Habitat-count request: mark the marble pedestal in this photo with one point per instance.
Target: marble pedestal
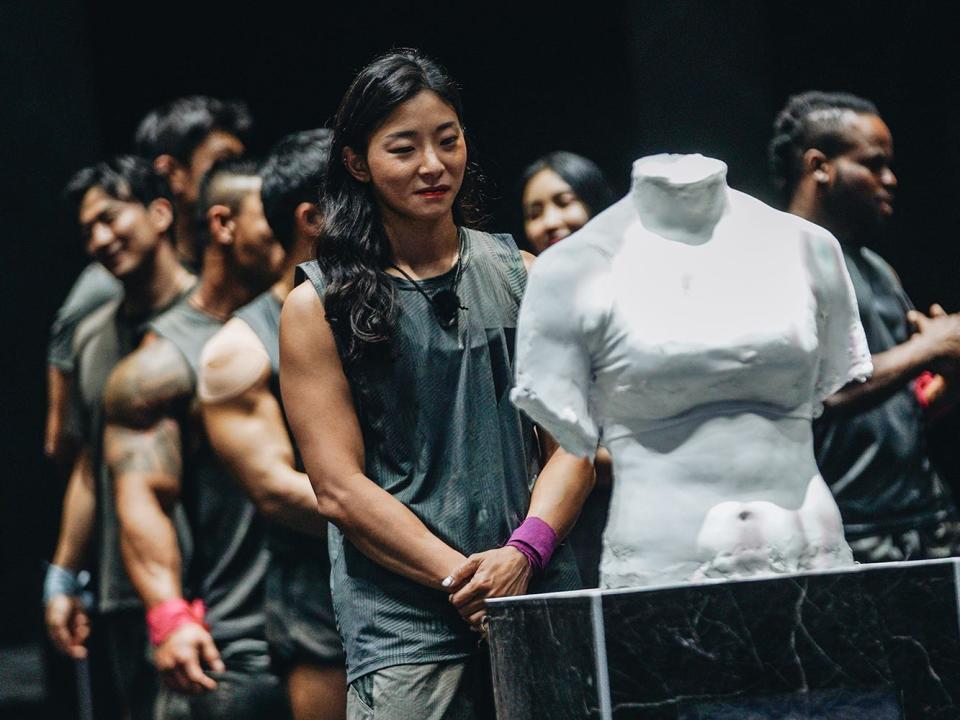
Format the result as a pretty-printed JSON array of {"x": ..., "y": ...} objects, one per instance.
[{"x": 874, "y": 642}]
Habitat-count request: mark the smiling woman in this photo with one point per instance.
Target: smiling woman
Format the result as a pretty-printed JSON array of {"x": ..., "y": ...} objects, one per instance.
[
  {"x": 559, "y": 193},
  {"x": 396, "y": 364}
]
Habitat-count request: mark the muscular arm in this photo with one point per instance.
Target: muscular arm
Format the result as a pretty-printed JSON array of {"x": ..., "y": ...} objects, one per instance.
[
  {"x": 320, "y": 410},
  {"x": 143, "y": 449},
  {"x": 245, "y": 425}
]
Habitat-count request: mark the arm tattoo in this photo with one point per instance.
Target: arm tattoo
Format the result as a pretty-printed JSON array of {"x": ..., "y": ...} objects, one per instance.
[
  {"x": 146, "y": 398},
  {"x": 152, "y": 382},
  {"x": 155, "y": 450}
]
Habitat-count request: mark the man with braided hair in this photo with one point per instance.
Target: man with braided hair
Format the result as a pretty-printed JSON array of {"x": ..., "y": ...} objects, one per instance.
[{"x": 831, "y": 156}]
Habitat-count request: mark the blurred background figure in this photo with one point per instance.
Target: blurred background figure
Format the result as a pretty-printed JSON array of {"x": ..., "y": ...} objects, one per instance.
[
  {"x": 211, "y": 651},
  {"x": 559, "y": 193},
  {"x": 239, "y": 388},
  {"x": 125, "y": 213},
  {"x": 182, "y": 139}
]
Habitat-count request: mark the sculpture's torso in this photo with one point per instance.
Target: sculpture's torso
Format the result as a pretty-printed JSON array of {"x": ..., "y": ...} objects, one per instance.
[{"x": 707, "y": 364}]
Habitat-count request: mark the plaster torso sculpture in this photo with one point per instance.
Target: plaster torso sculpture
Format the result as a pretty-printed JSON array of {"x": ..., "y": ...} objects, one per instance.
[{"x": 696, "y": 332}]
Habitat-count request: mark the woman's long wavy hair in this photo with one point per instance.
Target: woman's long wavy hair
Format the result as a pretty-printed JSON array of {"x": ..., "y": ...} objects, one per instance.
[{"x": 352, "y": 248}]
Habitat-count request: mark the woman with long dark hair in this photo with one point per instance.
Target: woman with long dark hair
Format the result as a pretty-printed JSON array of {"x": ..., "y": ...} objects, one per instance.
[
  {"x": 396, "y": 366},
  {"x": 559, "y": 192}
]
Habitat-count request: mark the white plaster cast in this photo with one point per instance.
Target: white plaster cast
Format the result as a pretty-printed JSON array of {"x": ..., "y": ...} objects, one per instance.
[{"x": 696, "y": 331}]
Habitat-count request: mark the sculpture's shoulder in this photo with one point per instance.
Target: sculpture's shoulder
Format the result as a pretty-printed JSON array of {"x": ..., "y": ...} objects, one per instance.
[
  {"x": 591, "y": 249},
  {"x": 816, "y": 248},
  {"x": 786, "y": 225}
]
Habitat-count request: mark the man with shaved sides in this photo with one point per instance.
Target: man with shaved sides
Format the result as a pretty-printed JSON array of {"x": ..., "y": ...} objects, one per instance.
[
  {"x": 208, "y": 635},
  {"x": 240, "y": 393},
  {"x": 831, "y": 155}
]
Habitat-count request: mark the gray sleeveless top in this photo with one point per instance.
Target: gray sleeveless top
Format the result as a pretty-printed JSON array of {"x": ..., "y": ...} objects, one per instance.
[
  {"x": 262, "y": 315},
  {"x": 441, "y": 436},
  {"x": 229, "y": 555}
]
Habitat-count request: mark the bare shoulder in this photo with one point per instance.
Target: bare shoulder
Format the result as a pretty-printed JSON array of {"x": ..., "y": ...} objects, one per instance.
[
  {"x": 147, "y": 384},
  {"x": 302, "y": 304},
  {"x": 232, "y": 362},
  {"x": 528, "y": 259},
  {"x": 303, "y": 323}
]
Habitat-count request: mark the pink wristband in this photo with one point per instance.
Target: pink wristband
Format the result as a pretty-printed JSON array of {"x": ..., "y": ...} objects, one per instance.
[
  {"x": 536, "y": 540},
  {"x": 168, "y": 616},
  {"x": 920, "y": 386}
]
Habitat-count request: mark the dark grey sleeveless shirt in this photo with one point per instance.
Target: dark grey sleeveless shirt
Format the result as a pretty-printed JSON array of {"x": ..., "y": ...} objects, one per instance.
[
  {"x": 229, "y": 555},
  {"x": 441, "y": 436},
  {"x": 262, "y": 315}
]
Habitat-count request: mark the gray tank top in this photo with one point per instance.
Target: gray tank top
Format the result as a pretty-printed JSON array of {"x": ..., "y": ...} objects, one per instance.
[
  {"x": 262, "y": 315},
  {"x": 229, "y": 555},
  {"x": 441, "y": 436}
]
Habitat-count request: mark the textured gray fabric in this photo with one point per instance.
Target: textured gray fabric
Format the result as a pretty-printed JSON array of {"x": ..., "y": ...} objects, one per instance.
[
  {"x": 451, "y": 690},
  {"x": 441, "y": 436},
  {"x": 94, "y": 287},
  {"x": 876, "y": 462},
  {"x": 300, "y": 623},
  {"x": 230, "y": 556}
]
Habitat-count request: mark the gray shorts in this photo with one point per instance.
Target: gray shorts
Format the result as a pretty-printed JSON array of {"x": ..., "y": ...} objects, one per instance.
[
  {"x": 451, "y": 690},
  {"x": 300, "y": 623},
  {"x": 245, "y": 691}
]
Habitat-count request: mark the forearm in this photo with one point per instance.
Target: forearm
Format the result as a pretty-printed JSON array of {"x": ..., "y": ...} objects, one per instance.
[
  {"x": 286, "y": 497},
  {"x": 248, "y": 433},
  {"x": 146, "y": 466},
  {"x": 148, "y": 541},
  {"x": 76, "y": 522},
  {"x": 560, "y": 491},
  {"x": 892, "y": 369},
  {"x": 388, "y": 532}
]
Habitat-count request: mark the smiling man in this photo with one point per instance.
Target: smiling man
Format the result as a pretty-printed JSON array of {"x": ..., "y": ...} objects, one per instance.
[
  {"x": 831, "y": 155},
  {"x": 182, "y": 139},
  {"x": 125, "y": 212}
]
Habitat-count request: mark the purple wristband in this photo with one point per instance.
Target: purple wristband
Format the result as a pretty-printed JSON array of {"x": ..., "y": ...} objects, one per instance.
[{"x": 536, "y": 540}]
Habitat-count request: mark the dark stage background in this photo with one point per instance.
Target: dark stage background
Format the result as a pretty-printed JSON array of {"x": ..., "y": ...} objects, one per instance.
[{"x": 613, "y": 81}]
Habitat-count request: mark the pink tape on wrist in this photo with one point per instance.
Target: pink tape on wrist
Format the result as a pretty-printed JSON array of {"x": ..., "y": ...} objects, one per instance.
[
  {"x": 536, "y": 540},
  {"x": 168, "y": 616},
  {"x": 920, "y": 387}
]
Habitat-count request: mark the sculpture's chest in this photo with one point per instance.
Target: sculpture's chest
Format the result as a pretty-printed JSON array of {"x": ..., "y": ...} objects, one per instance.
[{"x": 733, "y": 319}]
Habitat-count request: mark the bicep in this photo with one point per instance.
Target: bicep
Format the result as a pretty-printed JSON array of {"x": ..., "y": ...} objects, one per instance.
[{"x": 316, "y": 393}]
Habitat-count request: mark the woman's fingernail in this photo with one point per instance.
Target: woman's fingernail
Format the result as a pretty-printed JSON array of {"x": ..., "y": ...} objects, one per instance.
[{"x": 447, "y": 581}]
